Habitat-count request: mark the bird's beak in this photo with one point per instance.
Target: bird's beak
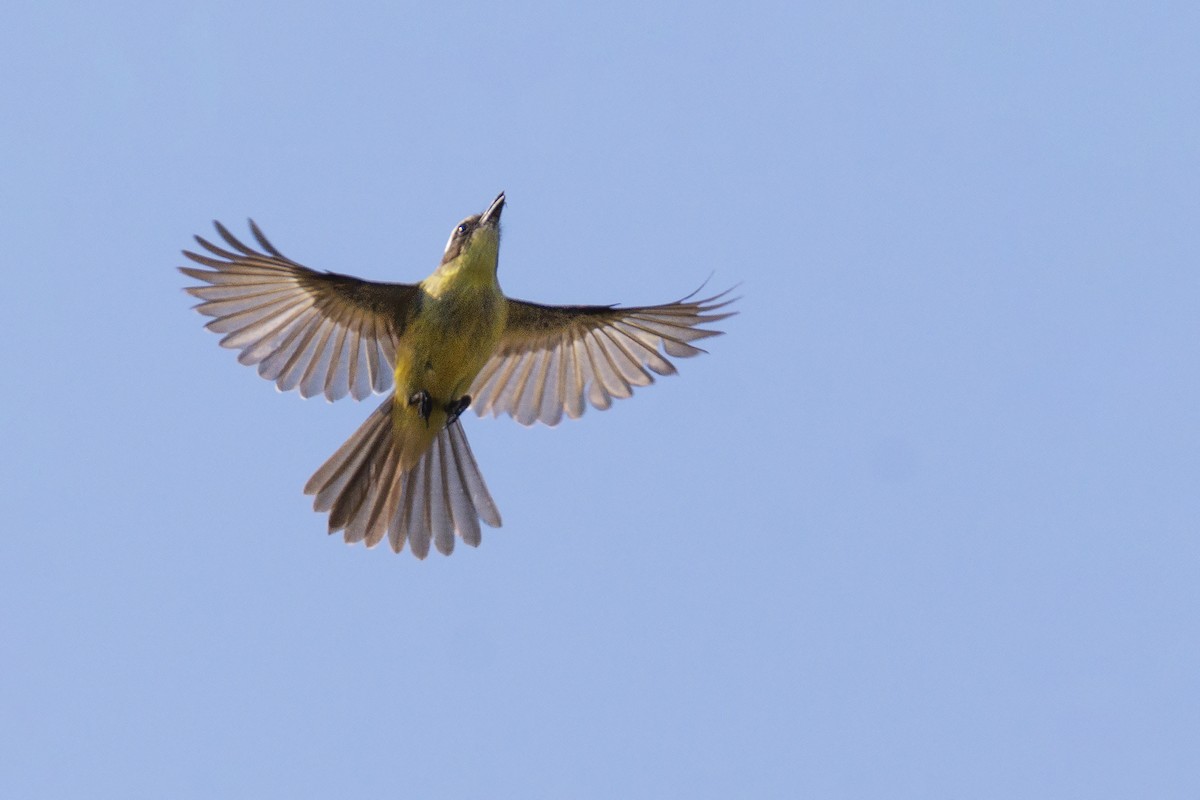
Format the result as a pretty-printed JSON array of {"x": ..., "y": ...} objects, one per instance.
[{"x": 492, "y": 215}]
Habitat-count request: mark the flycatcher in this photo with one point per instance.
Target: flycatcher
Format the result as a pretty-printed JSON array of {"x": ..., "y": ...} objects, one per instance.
[{"x": 450, "y": 342}]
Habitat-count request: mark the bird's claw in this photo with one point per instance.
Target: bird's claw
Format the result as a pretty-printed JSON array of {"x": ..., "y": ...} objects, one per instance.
[
  {"x": 423, "y": 402},
  {"x": 455, "y": 409}
]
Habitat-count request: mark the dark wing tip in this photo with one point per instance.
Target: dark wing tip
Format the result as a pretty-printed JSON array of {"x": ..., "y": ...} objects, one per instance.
[
  {"x": 232, "y": 240},
  {"x": 263, "y": 242}
]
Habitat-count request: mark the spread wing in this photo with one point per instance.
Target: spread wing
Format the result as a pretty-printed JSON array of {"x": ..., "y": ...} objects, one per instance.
[
  {"x": 551, "y": 357},
  {"x": 325, "y": 333}
]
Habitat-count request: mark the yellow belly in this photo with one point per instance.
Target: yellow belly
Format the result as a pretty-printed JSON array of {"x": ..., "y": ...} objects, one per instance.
[{"x": 442, "y": 350}]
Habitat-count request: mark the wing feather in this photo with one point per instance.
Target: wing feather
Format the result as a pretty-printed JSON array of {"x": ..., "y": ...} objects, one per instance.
[
  {"x": 551, "y": 358},
  {"x": 321, "y": 332}
]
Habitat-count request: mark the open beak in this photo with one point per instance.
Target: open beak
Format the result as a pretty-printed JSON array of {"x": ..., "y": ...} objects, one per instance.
[{"x": 492, "y": 215}]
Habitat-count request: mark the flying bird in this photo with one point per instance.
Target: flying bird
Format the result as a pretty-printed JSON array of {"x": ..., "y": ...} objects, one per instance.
[{"x": 450, "y": 342}]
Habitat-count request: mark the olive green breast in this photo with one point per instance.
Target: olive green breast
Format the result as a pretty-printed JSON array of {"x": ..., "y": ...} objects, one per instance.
[{"x": 448, "y": 340}]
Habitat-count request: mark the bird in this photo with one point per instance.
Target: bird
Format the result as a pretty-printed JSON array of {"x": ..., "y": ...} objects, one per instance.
[{"x": 451, "y": 342}]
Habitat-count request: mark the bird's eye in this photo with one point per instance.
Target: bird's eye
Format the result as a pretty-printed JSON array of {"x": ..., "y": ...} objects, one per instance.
[{"x": 462, "y": 229}]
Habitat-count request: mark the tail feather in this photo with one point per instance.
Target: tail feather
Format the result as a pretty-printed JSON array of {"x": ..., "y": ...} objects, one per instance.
[
  {"x": 357, "y": 485},
  {"x": 369, "y": 517},
  {"x": 379, "y": 509},
  {"x": 441, "y": 517},
  {"x": 369, "y": 494},
  {"x": 328, "y": 482},
  {"x": 414, "y": 520},
  {"x": 470, "y": 478}
]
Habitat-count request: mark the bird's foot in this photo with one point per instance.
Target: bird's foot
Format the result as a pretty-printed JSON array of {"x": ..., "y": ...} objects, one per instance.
[
  {"x": 455, "y": 409},
  {"x": 423, "y": 402}
]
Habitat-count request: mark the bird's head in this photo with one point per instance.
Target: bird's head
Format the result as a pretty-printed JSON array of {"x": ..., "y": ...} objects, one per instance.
[{"x": 474, "y": 244}]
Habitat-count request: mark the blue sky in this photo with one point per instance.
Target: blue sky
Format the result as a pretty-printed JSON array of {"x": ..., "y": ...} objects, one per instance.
[{"x": 923, "y": 524}]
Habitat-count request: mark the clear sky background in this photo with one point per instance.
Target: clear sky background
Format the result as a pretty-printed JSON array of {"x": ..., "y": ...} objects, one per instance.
[{"x": 923, "y": 524}]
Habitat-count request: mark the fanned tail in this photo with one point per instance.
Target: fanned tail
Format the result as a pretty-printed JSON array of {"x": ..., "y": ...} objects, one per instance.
[{"x": 369, "y": 495}]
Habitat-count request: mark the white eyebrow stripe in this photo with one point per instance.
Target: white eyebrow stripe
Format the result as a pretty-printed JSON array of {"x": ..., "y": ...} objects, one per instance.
[{"x": 454, "y": 232}]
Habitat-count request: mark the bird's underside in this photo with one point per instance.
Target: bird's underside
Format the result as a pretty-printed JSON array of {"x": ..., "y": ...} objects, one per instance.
[{"x": 407, "y": 474}]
